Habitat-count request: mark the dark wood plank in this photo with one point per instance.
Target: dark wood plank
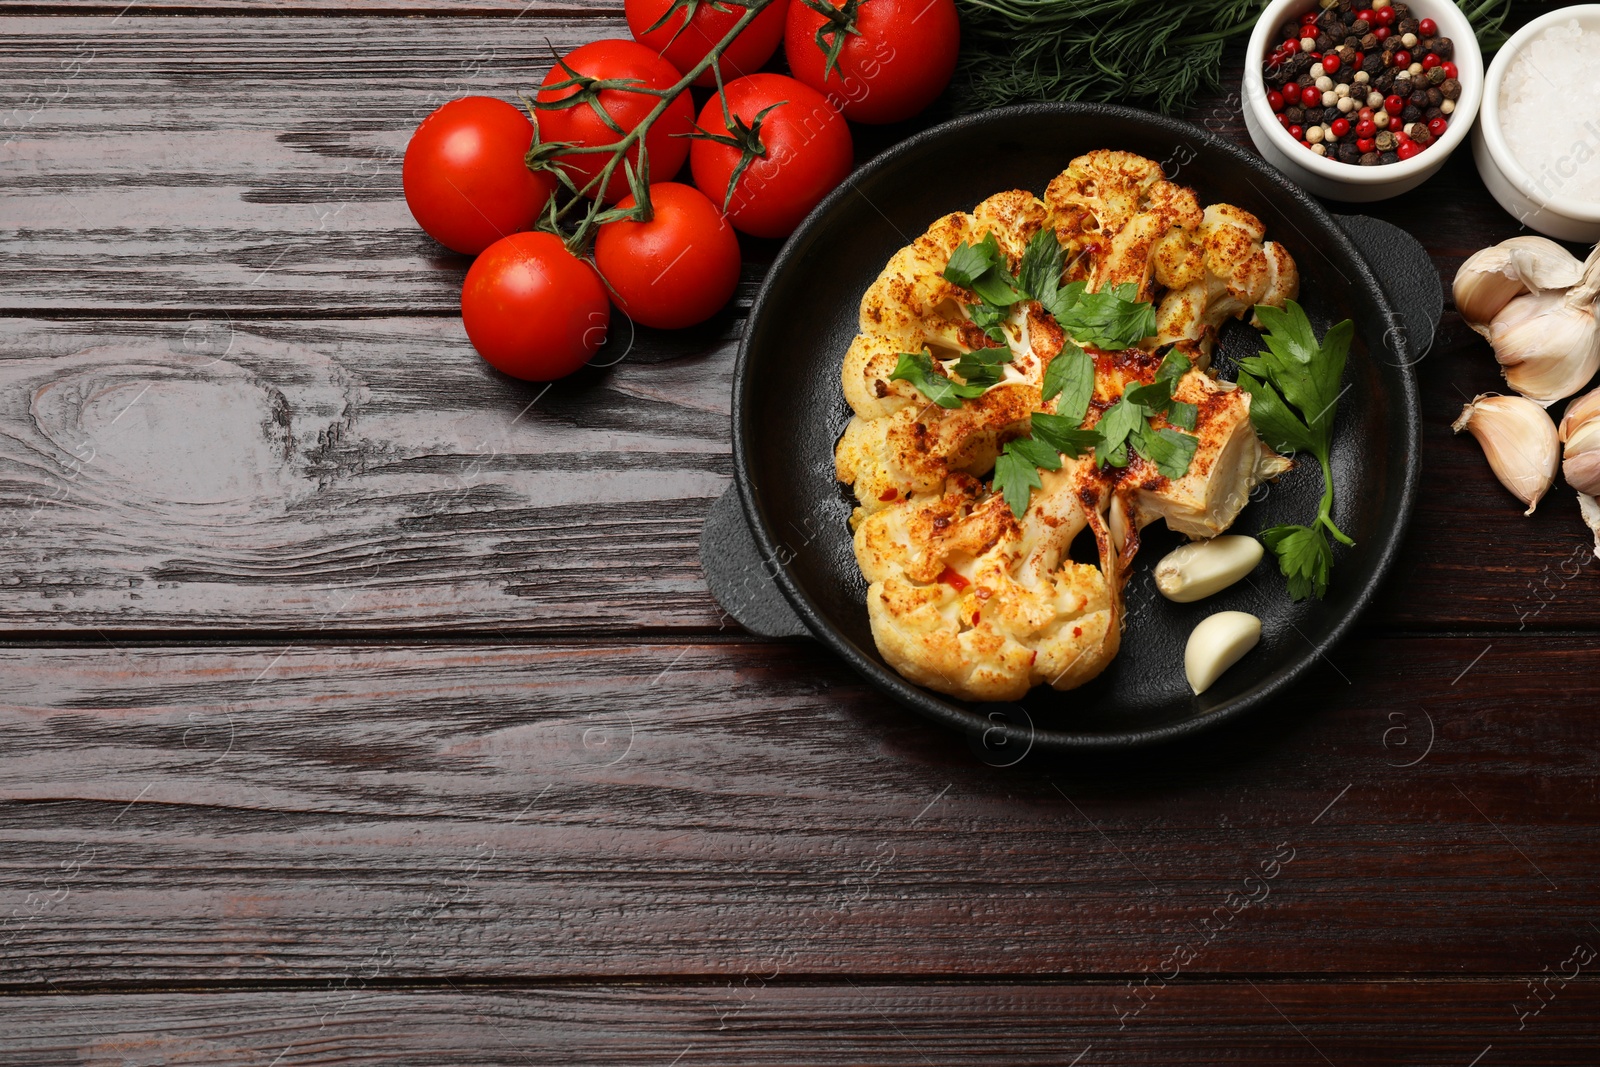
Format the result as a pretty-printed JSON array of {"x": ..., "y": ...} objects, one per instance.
[
  {"x": 560, "y": 810},
  {"x": 755, "y": 1022},
  {"x": 520, "y": 10},
  {"x": 238, "y": 162},
  {"x": 326, "y": 476},
  {"x": 331, "y": 476}
]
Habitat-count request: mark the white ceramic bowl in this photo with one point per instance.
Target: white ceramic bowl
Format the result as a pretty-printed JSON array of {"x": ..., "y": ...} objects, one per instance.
[
  {"x": 1537, "y": 204},
  {"x": 1348, "y": 181}
]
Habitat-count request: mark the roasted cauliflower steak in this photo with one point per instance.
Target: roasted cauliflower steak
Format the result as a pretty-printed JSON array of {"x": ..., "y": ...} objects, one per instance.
[{"x": 964, "y": 596}]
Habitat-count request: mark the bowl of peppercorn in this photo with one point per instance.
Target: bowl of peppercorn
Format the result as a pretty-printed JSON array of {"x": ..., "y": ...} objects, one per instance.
[{"x": 1360, "y": 103}]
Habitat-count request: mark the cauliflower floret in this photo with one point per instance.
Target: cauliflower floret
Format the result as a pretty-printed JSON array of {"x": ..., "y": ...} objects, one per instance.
[
  {"x": 1239, "y": 272},
  {"x": 967, "y": 601}
]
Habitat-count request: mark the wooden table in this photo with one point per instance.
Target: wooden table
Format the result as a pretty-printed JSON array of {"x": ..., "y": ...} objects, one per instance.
[{"x": 362, "y": 706}]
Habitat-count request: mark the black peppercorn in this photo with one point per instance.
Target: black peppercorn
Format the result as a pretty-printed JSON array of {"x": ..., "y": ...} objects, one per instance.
[
  {"x": 1402, "y": 11},
  {"x": 1436, "y": 75},
  {"x": 1435, "y": 98},
  {"x": 1384, "y": 140},
  {"x": 1411, "y": 114},
  {"x": 1361, "y": 27},
  {"x": 1346, "y": 7},
  {"x": 1420, "y": 135},
  {"x": 1295, "y": 116},
  {"x": 1431, "y": 114},
  {"x": 1289, "y": 31},
  {"x": 1418, "y": 98},
  {"x": 1443, "y": 47},
  {"x": 1369, "y": 43},
  {"x": 1346, "y": 54},
  {"x": 1389, "y": 157},
  {"x": 1349, "y": 153},
  {"x": 1371, "y": 159},
  {"x": 1450, "y": 88},
  {"x": 1326, "y": 43},
  {"x": 1405, "y": 26},
  {"x": 1372, "y": 64}
]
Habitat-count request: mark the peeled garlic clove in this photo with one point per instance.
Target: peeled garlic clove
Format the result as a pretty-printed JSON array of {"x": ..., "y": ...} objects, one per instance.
[
  {"x": 1518, "y": 439},
  {"x": 1217, "y": 644},
  {"x": 1201, "y": 568},
  {"x": 1547, "y": 345},
  {"x": 1493, "y": 276}
]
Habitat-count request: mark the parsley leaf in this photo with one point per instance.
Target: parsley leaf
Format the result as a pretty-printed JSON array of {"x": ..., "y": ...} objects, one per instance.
[
  {"x": 1169, "y": 450},
  {"x": 917, "y": 368},
  {"x": 1110, "y": 320},
  {"x": 1304, "y": 557},
  {"x": 988, "y": 318},
  {"x": 982, "y": 366},
  {"x": 982, "y": 268},
  {"x": 1039, "y": 273},
  {"x": 1120, "y": 420},
  {"x": 1016, "y": 471},
  {"x": 1063, "y": 434},
  {"x": 1071, "y": 376},
  {"x": 1294, "y": 391}
]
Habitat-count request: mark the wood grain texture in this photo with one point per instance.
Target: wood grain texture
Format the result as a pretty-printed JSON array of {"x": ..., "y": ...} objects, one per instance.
[
  {"x": 329, "y": 476},
  {"x": 583, "y": 810},
  {"x": 759, "y": 1024}
]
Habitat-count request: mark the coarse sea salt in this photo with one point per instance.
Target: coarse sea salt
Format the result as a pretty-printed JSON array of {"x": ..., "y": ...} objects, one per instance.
[{"x": 1549, "y": 113}]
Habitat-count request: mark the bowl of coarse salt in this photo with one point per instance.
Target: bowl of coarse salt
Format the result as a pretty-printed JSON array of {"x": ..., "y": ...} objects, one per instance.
[{"x": 1537, "y": 142}]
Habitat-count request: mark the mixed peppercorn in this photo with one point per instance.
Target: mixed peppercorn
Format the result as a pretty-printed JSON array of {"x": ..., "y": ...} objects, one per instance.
[{"x": 1363, "y": 85}]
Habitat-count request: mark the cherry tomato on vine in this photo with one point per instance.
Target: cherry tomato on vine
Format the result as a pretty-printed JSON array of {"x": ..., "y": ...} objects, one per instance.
[
  {"x": 802, "y": 151},
  {"x": 685, "y": 39},
  {"x": 578, "y": 124},
  {"x": 532, "y": 309},
  {"x": 464, "y": 177},
  {"x": 675, "y": 270},
  {"x": 898, "y": 61}
]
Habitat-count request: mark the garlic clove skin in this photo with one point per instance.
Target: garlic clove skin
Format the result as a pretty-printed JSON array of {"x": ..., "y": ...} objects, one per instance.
[
  {"x": 1519, "y": 440},
  {"x": 1589, "y": 508},
  {"x": 1547, "y": 346},
  {"x": 1219, "y": 642},
  {"x": 1581, "y": 410},
  {"x": 1580, "y": 454},
  {"x": 1493, "y": 276}
]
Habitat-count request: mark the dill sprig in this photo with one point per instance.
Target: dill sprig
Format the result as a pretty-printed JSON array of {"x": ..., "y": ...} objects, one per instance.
[{"x": 1160, "y": 56}]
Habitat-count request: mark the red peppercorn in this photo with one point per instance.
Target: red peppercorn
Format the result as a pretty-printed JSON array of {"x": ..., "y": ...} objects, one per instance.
[
  {"x": 1291, "y": 95},
  {"x": 1438, "y": 126},
  {"x": 1386, "y": 16},
  {"x": 1381, "y": 32},
  {"x": 1339, "y": 126},
  {"x": 1308, "y": 18},
  {"x": 1290, "y": 47},
  {"x": 1356, "y": 61},
  {"x": 1402, "y": 59},
  {"x": 1450, "y": 70},
  {"x": 1364, "y": 115},
  {"x": 1366, "y": 15},
  {"x": 1393, "y": 104},
  {"x": 1275, "y": 101},
  {"x": 1365, "y": 145},
  {"x": 1430, "y": 61},
  {"x": 1297, "y": 133},
  {"x": 1283, "y": 120},
  {"x": 1427, "y": 28},
  {"x": 1330, "y": 65},
  {"x": 1407, "y": 148},
  {"x": 1366, "y": 128}
]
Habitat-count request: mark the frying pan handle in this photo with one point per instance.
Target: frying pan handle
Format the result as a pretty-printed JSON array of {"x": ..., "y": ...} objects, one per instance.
[
  {"x": 739, "y": 578},
  {"x": 742, "y": 581},
  {"x": 1409, "y": 278}
]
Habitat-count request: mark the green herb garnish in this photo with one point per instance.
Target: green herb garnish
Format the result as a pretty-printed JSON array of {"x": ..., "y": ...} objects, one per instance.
[
  {"x": 982, "y": 268},
  {"x": 1016, "y": 470},
  {"x": 1113, "y": 318},
  {"x": 917, "y": 368},
  {"x": 1294, "y": 392},
  {"x": 1071, "y": 376}
]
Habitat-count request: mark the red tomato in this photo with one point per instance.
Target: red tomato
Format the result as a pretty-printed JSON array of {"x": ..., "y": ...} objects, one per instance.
[
  {"x": 806, "y": 152},
  {"x": 578, "y": 124},
  {"x": 678, "y": 268},
  {"x": 533, "y": 309},
  {"x": 684, "y": 41},
  {"x": 901, "y": 59},
  {"x": 464, "y": 177}
]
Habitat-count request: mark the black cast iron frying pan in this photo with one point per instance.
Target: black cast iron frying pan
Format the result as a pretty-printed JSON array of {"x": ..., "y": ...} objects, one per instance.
[{"x": 789, "y": 530}]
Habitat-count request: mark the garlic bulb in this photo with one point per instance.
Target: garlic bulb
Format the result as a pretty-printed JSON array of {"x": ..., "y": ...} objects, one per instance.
[
  {"x": 1492, "y": 276},
  {"x": 1519, "y": 441},
  {"x": 1589, "y": 508},
  {"x": 1580, "y": 436}
]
